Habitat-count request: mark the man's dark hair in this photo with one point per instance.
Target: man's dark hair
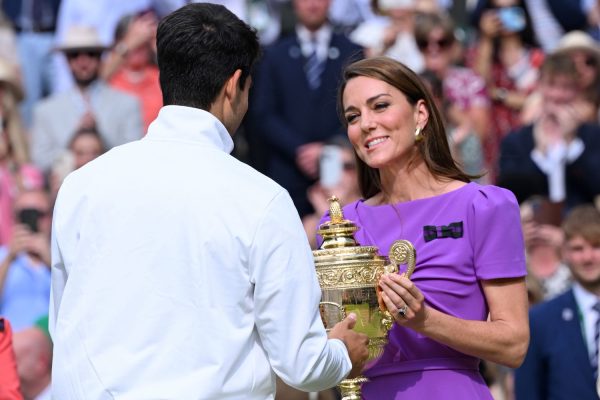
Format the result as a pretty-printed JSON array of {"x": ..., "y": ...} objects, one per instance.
[{"x": 199, "y": 47}]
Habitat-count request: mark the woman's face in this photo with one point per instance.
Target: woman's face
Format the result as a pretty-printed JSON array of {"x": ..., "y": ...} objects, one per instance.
[
  {"x": 85, "y": 148},
  {"x": 437, "y": 50},
  {"x": 381, "y": 122}
]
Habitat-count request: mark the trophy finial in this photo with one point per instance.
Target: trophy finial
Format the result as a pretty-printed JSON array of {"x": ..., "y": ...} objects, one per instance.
[{"x": 335, "y": 210}]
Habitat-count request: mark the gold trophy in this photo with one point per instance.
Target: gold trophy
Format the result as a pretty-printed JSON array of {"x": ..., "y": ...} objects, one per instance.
[{"x": 349, "y": 274}]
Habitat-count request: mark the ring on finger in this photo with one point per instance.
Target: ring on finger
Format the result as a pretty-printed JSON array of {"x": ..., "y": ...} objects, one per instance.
[{"x": 402, "y": 311}]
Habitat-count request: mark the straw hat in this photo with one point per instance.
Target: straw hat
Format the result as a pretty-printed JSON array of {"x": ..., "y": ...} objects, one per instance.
[
  {"x": 81, "y": 38},
  {"x": 578, "y": 40},
  {"x": 9, "y": 77}
]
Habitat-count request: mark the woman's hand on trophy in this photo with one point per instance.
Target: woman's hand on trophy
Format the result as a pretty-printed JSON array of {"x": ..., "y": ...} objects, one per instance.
[
  {"x": 404, "y": 300},
  {"x": 356, "y": 343}
]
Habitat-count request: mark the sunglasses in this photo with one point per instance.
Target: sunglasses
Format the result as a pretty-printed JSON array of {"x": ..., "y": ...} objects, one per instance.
[
  {"x": 591, "y": 61},
  {"x": 442, "y": 43},
  {"x": 71, "y": 55}
]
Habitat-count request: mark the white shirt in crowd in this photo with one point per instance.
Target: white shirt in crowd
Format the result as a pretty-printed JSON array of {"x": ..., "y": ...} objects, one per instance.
[{"x": 179, "y": 272}]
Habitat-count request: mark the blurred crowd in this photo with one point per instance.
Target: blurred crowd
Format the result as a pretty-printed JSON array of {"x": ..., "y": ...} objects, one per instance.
[{"x": 518, "y": 82}]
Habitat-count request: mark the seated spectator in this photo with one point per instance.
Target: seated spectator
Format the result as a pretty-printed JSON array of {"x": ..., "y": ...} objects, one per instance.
[
  {"x": 116, "y": 114},
  {"x": 85, "y": 146},
  {"x": 135, "y": 71},
  {"x": 9, "y": 379},
  {"x": 558, "y": 149},
  {"x": 508, "y": 59},
  {"x": 337, "y": 170},
  {"x": 562, "y": 360},
  {"x": 585, "y": 53},
  {"x": 543, "y": 244},
  {"x": 16, "y": 173},
  {"x": 465, "y": 144},
  {"x": 25, "y": 261},
  {"x": 392, "y": 34},
  {"x": 33, "y": 353}
]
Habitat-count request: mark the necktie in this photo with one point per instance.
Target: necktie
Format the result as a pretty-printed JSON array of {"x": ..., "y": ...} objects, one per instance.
[
  {"x": 314, "y": 68},
  {"x": 594, "y": 355}
]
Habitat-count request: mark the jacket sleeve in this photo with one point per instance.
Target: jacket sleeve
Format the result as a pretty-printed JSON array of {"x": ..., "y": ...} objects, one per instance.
[
  {"x": 531, "y": 377},
  {"x": 286, "y": 299},
  {"x": 42, "y": 147},
  {"x": 266, "y": 115}
]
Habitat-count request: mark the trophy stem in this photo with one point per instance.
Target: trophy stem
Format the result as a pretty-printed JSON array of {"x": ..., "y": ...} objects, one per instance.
[{"x": 350, "y": 388}]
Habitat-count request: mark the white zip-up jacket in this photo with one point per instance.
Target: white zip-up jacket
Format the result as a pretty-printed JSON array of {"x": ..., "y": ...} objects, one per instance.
[{"x": 181, "y": 273}]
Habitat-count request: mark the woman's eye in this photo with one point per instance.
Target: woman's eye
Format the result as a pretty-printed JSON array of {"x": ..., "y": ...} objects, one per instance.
[
  {"x": 381, "y": 106},
  {"x": 351, "y": 118}
]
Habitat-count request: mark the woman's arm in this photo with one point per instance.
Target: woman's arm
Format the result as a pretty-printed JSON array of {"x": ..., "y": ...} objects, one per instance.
[{"x": 502, "y": 339}]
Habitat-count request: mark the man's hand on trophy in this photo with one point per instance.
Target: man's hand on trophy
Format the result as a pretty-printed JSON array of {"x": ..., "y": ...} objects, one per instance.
[
  {"x": 356, "y": 343},
  {"x": 403, "y": 300}
]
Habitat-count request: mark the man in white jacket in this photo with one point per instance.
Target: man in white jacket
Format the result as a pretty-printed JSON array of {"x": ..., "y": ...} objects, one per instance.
[{"x": 179, "y": 272}]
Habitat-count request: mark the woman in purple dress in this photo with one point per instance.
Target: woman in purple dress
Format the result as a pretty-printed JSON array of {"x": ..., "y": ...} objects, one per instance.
[{"x": 467, "y": 299}]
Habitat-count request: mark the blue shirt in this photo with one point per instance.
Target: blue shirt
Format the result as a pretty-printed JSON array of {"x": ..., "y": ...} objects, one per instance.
[{"x": 26, "y": 293}]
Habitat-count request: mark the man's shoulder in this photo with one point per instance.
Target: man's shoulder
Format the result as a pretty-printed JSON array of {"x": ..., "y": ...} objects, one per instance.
[
  {"x": 282, "y": 46},
  {"x": 341, "y": 40},
  {"x": 562, "y": 306},
  {"x": 521, "y": 135},
  {"x": 251, "y": 178},
  {"x": 116, "y": 95},
  {"x": 54, "y": 101}
]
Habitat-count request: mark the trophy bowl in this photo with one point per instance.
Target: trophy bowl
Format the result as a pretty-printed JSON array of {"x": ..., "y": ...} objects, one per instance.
[{"x": 349, "y": 275}]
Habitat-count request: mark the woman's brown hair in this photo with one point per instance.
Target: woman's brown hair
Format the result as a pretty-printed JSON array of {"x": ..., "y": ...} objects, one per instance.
[{"x": 433, "y": 149}]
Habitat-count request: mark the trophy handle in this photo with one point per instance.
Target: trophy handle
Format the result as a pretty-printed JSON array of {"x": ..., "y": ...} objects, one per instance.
[
  {"x": 341, "y": 311},
  {"x": 402, "y": 251}
]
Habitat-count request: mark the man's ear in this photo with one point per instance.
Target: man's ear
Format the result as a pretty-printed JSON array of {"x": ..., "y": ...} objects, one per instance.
[{"x": 232, "y": 86}]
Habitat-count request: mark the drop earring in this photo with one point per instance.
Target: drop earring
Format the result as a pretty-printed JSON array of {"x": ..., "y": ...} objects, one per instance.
[{"x": 418, "y": 135}]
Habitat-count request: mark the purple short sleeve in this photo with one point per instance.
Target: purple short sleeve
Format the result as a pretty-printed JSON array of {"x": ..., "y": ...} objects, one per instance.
[{"x": 497, "y": 238}]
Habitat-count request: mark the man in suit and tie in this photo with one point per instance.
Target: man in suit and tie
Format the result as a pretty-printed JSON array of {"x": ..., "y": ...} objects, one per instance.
[
  {"x": 293, "y": 110},
  {"x": 562, "y": 360},
  {"x": 116, "y": 115}
]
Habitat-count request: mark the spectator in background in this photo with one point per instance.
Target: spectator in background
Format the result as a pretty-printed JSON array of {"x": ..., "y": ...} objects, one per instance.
[
  {"x": 132, "y": 61},
  {"x": 85, "y": 146},
  {"x": 585, "y": 53},
  {"x": 91, "y": 103},
  {"x": 459, "y": 92},
  {"x": 392, "y": 35},
  {"x": 293, "y": 109},
  {"x": 552, "y": 18},
  {"x": 562, "y": 360},
  {"x": 35, "y": 24},
  {"x": 16, "y": 173},
  {"x": 507, "y": 58},
  {"x": 337, "y": 177},
  {"x": 9, "y": 379},
  {"x": 25, "y": 262},
  {"x": 543, "y": 244},
  {"x": 103, "y": 16},
  {"x": 557, "y": 151},
  {"x": 33, "y": 353}
]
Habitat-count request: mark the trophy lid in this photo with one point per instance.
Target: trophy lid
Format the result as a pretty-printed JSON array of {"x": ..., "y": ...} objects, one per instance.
[
  {"x": 340, "y": 253},
  {"x": 337, "y": 232}
]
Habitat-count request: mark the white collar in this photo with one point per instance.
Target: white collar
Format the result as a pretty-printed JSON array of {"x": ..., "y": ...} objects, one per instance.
[
  {"x": 322, "y": 37},
  {"x": 188, "y": 124},
  {"x": 585, "y": 299}
]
